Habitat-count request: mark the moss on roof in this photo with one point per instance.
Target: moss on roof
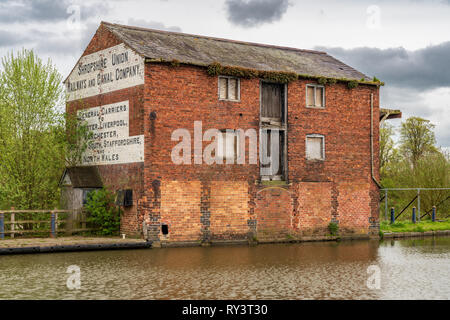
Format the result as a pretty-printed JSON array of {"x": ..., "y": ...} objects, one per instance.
[{"x": 235, "y": 56}]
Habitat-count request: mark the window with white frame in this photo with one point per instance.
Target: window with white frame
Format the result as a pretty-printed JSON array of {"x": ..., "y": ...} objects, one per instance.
[
  {"x": 315, "y": 147},
  {"x": 315, "y": 96},
  {"x": 228, "y": 145},
  {"x": 229, "y": 88}
]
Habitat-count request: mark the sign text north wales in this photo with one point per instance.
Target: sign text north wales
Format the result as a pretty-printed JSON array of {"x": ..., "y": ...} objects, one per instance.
[{"x": 111, "y": 142}]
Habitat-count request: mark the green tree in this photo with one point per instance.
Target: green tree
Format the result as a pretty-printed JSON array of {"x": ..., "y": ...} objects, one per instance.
[
  {"x": 35, "y": 144},
  {"x": 388, "y": 152},
  {"x": 416, "y": 164},
  {"x": 30, "y": 92},
  {"x": 417, "y": 139}
]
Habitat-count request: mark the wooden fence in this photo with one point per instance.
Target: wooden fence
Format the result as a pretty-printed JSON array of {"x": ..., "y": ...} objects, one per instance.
[{"x": 51, "y": 222}]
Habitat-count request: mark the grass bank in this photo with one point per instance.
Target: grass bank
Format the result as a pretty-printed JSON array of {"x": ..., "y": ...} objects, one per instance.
[{"x": 423, "y": 226}]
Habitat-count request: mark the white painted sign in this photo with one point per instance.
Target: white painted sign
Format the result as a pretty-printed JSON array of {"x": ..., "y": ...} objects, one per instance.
[
  {"x": 105, "y": 71},
  {"x": 111, "y": 142}
]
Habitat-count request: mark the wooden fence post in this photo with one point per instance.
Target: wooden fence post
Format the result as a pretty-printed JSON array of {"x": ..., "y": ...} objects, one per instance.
[
  {"x": 13, "y": 224},
  {"x": 69, "y": 222},
  {"x": 2, "y": 225}
]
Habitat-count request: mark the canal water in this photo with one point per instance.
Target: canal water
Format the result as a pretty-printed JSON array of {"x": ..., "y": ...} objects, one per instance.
[{"x": 402, "y": 269}]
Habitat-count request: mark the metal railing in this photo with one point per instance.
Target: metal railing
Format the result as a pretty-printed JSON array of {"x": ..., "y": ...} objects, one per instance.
[{"x": 417, "y": 197}]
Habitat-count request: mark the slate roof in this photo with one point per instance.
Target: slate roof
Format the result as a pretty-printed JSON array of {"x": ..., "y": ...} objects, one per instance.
[{"x": 202, "y": 51}]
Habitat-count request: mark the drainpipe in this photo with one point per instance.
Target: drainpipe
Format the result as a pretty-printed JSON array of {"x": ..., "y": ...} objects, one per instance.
[{"x": 371, "y": 143}]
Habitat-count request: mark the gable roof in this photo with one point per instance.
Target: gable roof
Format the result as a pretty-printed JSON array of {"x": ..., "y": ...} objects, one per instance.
[
  {"x": 82, "y": 177},
  {"x": 202, "y": 51}
]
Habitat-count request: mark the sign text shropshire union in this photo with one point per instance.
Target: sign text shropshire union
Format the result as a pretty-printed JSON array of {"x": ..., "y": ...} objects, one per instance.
[{"x": 107, "y": 70}]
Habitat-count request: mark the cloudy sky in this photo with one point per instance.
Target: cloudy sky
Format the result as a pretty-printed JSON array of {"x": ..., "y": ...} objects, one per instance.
[{"x": 405, "y": 43}]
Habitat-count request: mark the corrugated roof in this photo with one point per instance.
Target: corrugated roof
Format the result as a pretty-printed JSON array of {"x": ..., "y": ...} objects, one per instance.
[{"x": 203, "y": 51}]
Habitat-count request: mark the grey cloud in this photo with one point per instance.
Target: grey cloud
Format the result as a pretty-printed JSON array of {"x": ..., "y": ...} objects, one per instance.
[
  {"x": 409, "y": 77},
  {"x": 152, "y": 25},
  {"x": 252, "y": 13},
  {"x": 67, "y": 43},
  {"x": 413, "y": 103},
  {"x": 422, "y": 69},
  {"x": 8, "y": 39},
  {"x": 45, "y": 10}
]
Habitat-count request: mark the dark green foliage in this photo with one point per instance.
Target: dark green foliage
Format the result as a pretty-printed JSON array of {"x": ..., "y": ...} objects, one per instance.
[
  {"x": 333, "y": 227},
  {"x": 175, "y": 63},
  {"x": 352, "y": 84},
  {"x": 103, "y": 214},
  {"x": 216, "y": 69},
  {"x": 280, "y": 77},
  {"x": 323, "y": 81}
]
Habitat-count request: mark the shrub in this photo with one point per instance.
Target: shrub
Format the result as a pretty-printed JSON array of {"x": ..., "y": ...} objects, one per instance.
[
  {"x": 102, "y": 212},
  {"x": 352, "y": 84},
  {"x": 322, "y": 81},
  {"x": 333, "y": 227}
]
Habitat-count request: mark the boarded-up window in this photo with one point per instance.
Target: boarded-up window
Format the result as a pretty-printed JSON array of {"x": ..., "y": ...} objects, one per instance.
[
  {"x": 272, "y": 101},
  {"x": 310, "y": 96},
  {"x": 315, "y": 96},
  {"x": 233, "y": 89},
  {"x": 315, "y": 147},
  {"x": 319, "y": 96},
  {"x": 272, "y": 157},
  {"x": 227, "y": 145},
  {"x": 273, "y": 132},
  {"x": 223, "y": 88},
  {"x": 228, "y": 88}
]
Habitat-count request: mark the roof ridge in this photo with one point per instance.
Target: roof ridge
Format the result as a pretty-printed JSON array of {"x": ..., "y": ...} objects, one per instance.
[{"x": 214, "y": 38}]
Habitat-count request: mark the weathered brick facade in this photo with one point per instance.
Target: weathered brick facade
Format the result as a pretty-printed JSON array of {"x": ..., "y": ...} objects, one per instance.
[{"x": 203, "y": 203}]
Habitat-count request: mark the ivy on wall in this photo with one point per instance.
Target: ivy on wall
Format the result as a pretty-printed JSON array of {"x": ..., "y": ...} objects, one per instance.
[{"x": 216, "y": 69}]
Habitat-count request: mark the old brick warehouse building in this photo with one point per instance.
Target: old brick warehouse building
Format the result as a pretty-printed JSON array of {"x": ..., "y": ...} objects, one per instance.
[{"x": 136, "y": 86}]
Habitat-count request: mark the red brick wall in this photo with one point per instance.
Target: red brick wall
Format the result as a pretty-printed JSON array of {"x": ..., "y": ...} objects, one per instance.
[
  {"x": 314, "y": 210},
  {"x": 181, "y": 95},
  {"x": 274, "y": 213},
  {"x": 119, "y": 176},
  {"x": 180, "y": 210},
  {"x": 207, "y": 202}
]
